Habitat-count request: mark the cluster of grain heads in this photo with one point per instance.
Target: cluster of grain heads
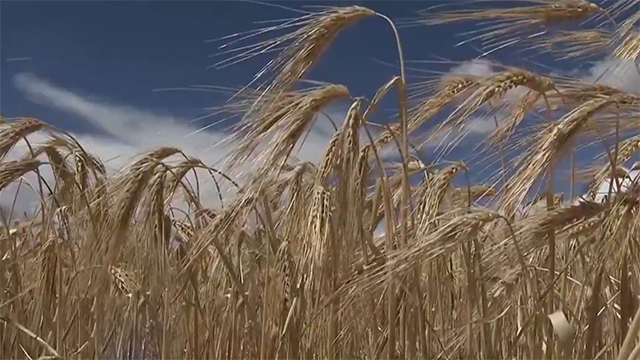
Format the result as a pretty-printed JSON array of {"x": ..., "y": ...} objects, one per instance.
[
  {"x": 13, "y": 132},
  {"x": 509, "y": 25},
  {"x": 139, "y": 265},
  {"x": 303, "y": 47},
  {"x": 627, "y": 39},
  {"x": 576, "y": 44},
  {"x": 552, "y": 144},
  {"x": 281, "y": 126},
  {"x": 491, "y": 89}
]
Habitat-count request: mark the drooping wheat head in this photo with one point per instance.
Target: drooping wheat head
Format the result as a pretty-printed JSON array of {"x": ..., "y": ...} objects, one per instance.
[
  {"x": 506, "y": 26},
  {"x": 551, "y": 145},
  {"x": 493, "y": 88},
  {"x": 281, "y": 127},
  {"x": 302, "y": 48},
  {"x": 576, "y": 44}
]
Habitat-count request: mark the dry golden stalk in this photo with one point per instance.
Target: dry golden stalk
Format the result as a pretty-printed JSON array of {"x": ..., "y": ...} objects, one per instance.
[
  {"x": 283, "y": 125},
  {"x": 315, "y": 34},
  {"x": 584, "y": 227},
  {"x": 330, "y": 156},
  {"x": 124, "y": 281},
  {"x": 626, "y": 150},
  {"x": 352, "y": 123},
  {"x": 48, "y": 290},
  {"x": 629, "y": 47},
  {"x": 577, "y": 93},
  {"x": 463, "y": 196},
  {"x": 10, "y": 171},
  {"x": 508, "y": 126},
  {"x": 494, "y": 87},
  {"x": 311, "y": 264},
  {"x": 183, "y": 230},
  {"x": 551, "y": 145},
  {"x": 452, "y": 88},
  {"x": 436, "y": 190},
  {"x": 509, "y": 24},
  {"x": 65, "y": 178},
  {"x": 576, "y": 44},
  {"x": 11, "y": 133},
  {"x": 180, "y": 171},
  {"x": 627, "y": 39},
  {"x": 54, "y": 354},
  {"x": 546, "y": 13},
  {"x": 156, "y": 208},
  {"x": 437, "y": 243},
  {"x": 318, "y": 224},
  {"x": 130, "y": 190},
  {"x": 563, "y": 216}
]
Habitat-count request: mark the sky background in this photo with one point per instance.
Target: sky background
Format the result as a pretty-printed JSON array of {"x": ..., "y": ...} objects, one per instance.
[
  {"x": 92, "y": 68},
  {"x": 123, "y": 50},
  {"x": 119, "y": 52}
]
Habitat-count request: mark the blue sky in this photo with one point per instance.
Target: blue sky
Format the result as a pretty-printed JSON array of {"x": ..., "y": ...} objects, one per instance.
[
  {"x": 122, "y": 50},
  {"x": 91, "y": 67}
]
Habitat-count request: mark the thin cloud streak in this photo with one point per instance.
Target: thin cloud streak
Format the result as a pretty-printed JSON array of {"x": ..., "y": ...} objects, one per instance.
[{"x": 127, "y": 132}]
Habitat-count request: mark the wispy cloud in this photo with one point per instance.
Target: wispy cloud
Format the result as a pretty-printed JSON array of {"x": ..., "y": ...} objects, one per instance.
[
  {"x": 622, "y": 74},
  {"x": 127, "y": 132},
  {"x": 476, "y": 67},
  {"x": 18, "y": 59}
]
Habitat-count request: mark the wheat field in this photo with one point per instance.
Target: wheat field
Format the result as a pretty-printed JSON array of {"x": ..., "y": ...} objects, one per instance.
[{"x": 362, "y": 255}]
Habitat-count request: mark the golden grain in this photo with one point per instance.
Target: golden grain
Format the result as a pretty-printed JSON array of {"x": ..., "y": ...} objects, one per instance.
[{"x": 318, "y": 260}]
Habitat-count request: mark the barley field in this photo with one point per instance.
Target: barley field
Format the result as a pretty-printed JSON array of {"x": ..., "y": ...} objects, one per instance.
[{"x": 364, "y": 255}]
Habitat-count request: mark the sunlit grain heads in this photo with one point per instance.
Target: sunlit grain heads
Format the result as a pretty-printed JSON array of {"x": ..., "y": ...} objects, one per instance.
[
  {"x": 123, "y": 281},
  {"x": 154, "y": 156},
  {"x": 304, "y": 46},
  {"x": 469, "y": 278},
  {"x": 281, "y": 127},
  {"x": 160, "y": 220},
  {"x": 508, "y": 25},
  {"x": 577, "y": 93},
  {"x": 435, "y": 191},
  {"x": 553, "y": 12},
  {"x": 314, "y": 39},
  {"x": 522, "y": 108},
  {"x": 626, "y": 41},
  {"x": 10, "y": 171},
  {"x": 63, "y": 173},
  {"x": 495, "y": 87},
  {"x": 12, "y": 132},
  {"x": 463, "y": 196},
  {"x": 584, "y": 228},
  {"x": 551, "y": 145},
  {"x": 627, "y": 149},
  {"x": 353, "y": 121},
  {"x": 140, "y": 172},
  {"x": 451, "y": 89},
  {"x": 130, "y": 190},
  {"x": 576, "y": 44},
  {"x": 180, "y": 171},
  {"x": 567, "y": 215}
]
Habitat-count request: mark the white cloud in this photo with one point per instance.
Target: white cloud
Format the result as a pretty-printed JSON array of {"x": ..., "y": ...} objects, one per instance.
[
  {"x": 127, "y": 132},
  {"x": 622, "y": 74},
  {"x": 446, "y": 139},
  {"x": 476, "y": 67}
]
